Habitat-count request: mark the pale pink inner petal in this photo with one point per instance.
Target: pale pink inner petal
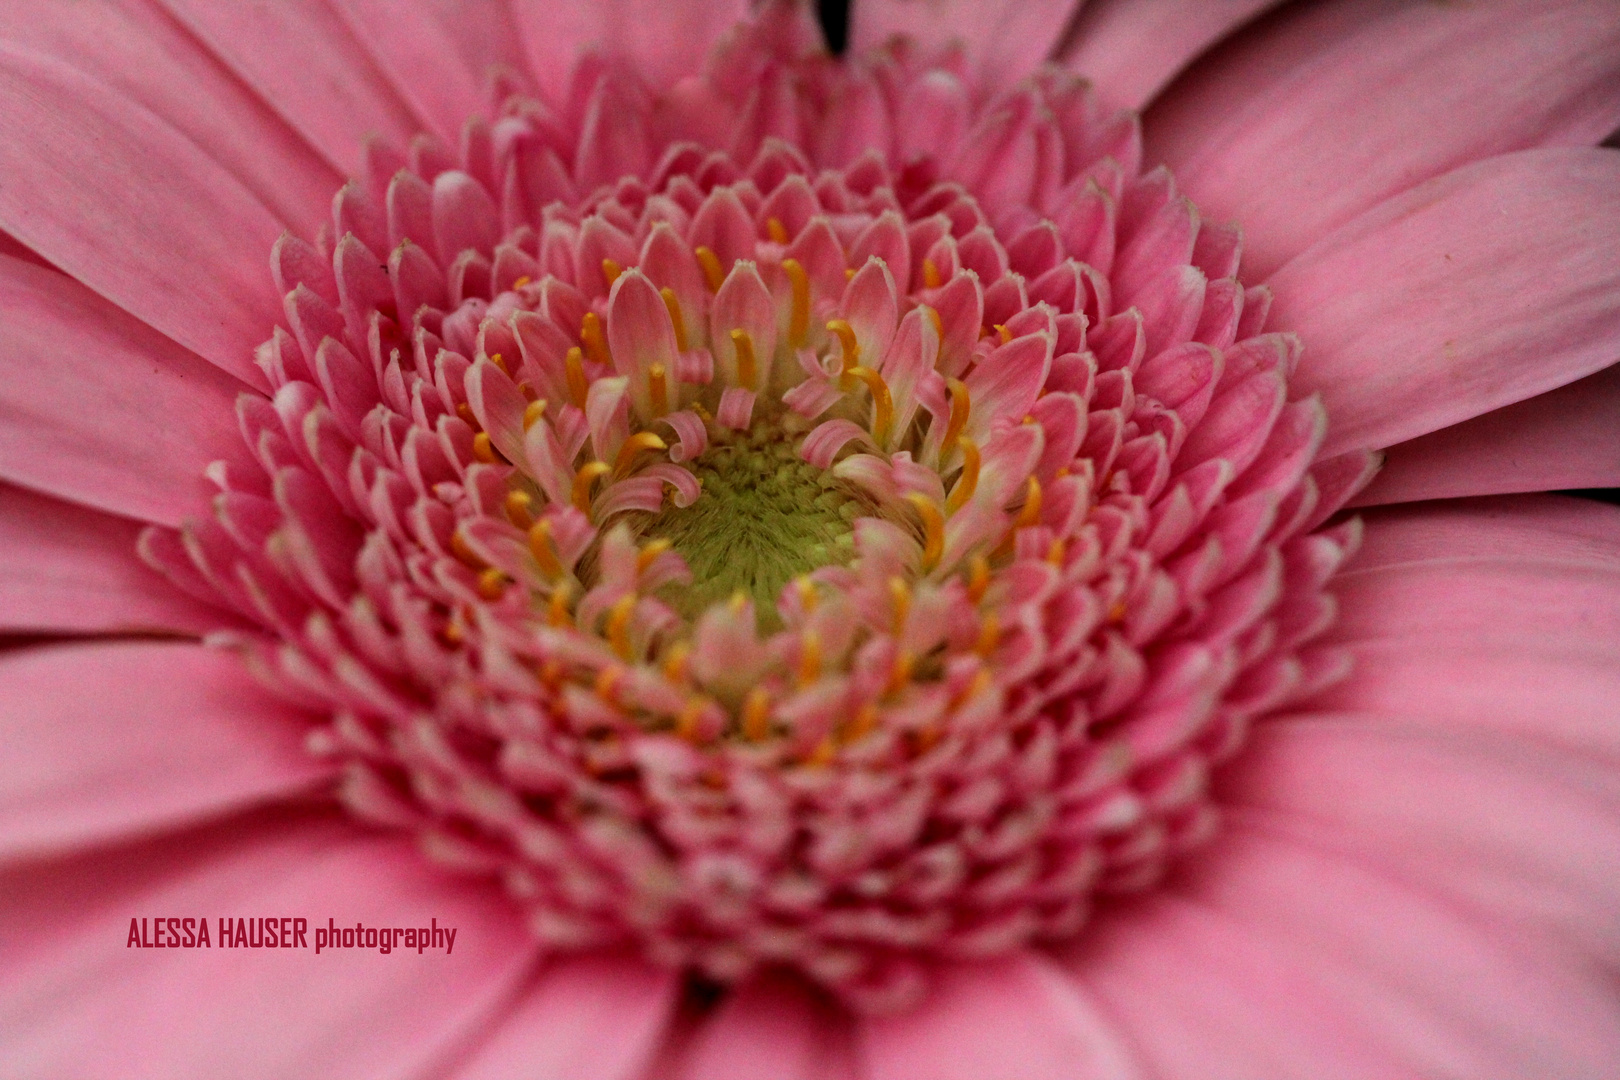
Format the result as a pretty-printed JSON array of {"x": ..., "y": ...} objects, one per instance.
[
  {"x": 114, "y": 739},
  {"x": 1003, "y": 40}
]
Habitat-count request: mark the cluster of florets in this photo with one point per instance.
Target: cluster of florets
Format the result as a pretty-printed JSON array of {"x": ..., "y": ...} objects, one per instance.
[{"x": 775, "y": 554}]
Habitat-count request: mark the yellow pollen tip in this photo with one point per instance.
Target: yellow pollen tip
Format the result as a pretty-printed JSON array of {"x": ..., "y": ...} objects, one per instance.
[
  {"x": 756, "y": 714},
  {"x": 607, "y": 684},
  {"x": 500, "y": 362},
  {"x": 738, "y": 601},
  {"x": 519, "y": 509},
  {"x": 675, "y": 664},
  {"x": 799, "y": 317},
  {"x": 1056, "y": 551},
  {"x": 1116, "y": 613},
  {"x": 459, "y": 548},
  {"x": 672, "y": 304},
  {"x": 900, "y": 596},
  {"x": 522, "y": 281},
  {"x": 464, "y": 411},
  {"x": 594, "y": 340},
  {"x": 635, "y": 444},
  {"x": 1030, "y": 515},
  {"x": 982, "y": 681},
  {"x": 882, "y": 401},
  {"x": 807, "y": 593},
  {"x": 900, "y": 673},
  {"x": 968, "y": 482},
  {"x": 649, "y": 554},
  {"x": 713, "y": 272},
  {"x": 823, "y": 754},
  {"x": 809, "y": 657},
  {"x": 861, "y": 725},
  {"x": 989, "y": 635},
  {"x": 543, "y": 548},
  {"x": 1005, "y": 334},
  {"x": 851, "y": 347},
  {"x": 933, "y": 318},
  {"x": 532, "y": 412},
  {"x": 746, "y": 364},
  {"x": 557, "y": 613},
  {"x": 933, "y": 529},
  {"x": 978, "y": 578},
  {"x": 686, "y": 724},
  {"x": 491, "y": 584},
  {"x": 618, "y": 624},
  {"x": 931, "y": 278},
  {"x": 587, "y": 475},
  {"x": 483, "y": 449},
  {"x": 961, "y": 409},
  {"x": 849, "y": 273},
  {"x": 578, "y": 386},
  {"x": 611, "y": 270},
  {"x": 776, "y": 230},
  {"x": 658, "y": 388}
]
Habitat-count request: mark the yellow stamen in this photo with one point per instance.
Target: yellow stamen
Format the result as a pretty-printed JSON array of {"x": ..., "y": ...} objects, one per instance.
[
  {"x": 978, "y": 578},
  {"x": 744, "y": 344},
  {"x": 500, "y": 363},
  {"x": 933, "y": 529},
  {"x": 931, "y": 278},
  {"x": 453, "y": 633},
  {"x": 672, "y": 304},
  {"x": 484, "y": 450},
  {"x": 459, "y": 548},
  {"x": 611, "y": 270},
  {"x": 807, "y": 593},
  {"x": 558, "y": 613},
  {"x": 865, "y": 719},
  {"x": 635, "y": 444},
  {"x": 544, "y": 549},
  {"x": 594, "y": 339},
  {"x": 809, "y": 657},
  {"x": 900, "y": 594},
  {"x": 713, "y": 272},
  {"x": 618, "y": 624},
  {"x": 1056, "y": 552},
  {"x": 900, "y": 673},
  {"x": 587, "y": 475},
  {"x": 1116, "y": 613},
  {"x": 1030, "y": 515},
  {"x": 778, "y": 231},
  {"x": 882, "y": 401},
  {"x": 982, "y": 680},
  {"x": 756, "y": 717},
  {"x": 961, "y": 408},
  {"x": 491, "y": 584},
  {"x": 968, "y": 482},
  {"x": 823, "y": 754},
  {"x": 686, "y": 724},
  {"x": 578, "y": 386},
  {"x": 989, "y": 635},
  {"x": 658, "y": 388},
  {"x": 939, "y": 324},
  {"x": 849, "y": 273},
  {"x": 533, "y": 411},
  {"x": 852, "y": 348},
  {"x": 738, "y": 601},
  {"x": 1006, "y": 334},
  {"x": 649, "y": 554},
  {"x": 465, "y": 412},
  {"x": 607, "y": 684},
  {"x": 528, "y": 392},
  {"x": 522, "y": 281},
  {"x": 799, "y": 318},
  {"x": 519, "y": 509},
  {"x": 551, "y": 673},
  {"x": 675, "y": 664}
]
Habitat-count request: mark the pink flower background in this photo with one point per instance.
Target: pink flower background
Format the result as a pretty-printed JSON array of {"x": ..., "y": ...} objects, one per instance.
[{"x": 1419, "y": 870}]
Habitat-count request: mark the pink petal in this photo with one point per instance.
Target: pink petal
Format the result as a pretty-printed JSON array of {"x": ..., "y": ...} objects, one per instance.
[
  {"x": 439, "y": 58},
  {"x": 76, "y": 998},
  {"x": 768, "y": 1030},
  {"x": 102, "y": 410},
  {"x": 661, "y": 41},
  {"x": 301, "y": 59},
  {"x": 112, "y": 740},
  {"x": 583, "y": 1018},
  {"x": 1014, "y": 1019},
  {"x": 1417, "y": 315},
  {"x": 1454, "y": 85},
  {"x": 1132, "y": 48},
  {"x": 1004, "y": 39},
  {"x": 145, "y": 56},
  {"x": 65, "y": 568},
  {"x": 1565, "y": 438},
  {"x": 135, "y": 210}
]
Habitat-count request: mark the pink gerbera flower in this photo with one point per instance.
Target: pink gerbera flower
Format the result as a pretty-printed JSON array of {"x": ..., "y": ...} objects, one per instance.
[{"x": 811, "y": 566}]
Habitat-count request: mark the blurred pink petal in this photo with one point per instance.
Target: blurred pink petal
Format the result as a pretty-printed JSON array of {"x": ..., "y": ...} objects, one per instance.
[{"x": 999, "y": 39}]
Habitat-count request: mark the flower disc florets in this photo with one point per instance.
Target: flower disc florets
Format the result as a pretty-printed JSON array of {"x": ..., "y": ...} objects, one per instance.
[{"x": 767, "y": 553}]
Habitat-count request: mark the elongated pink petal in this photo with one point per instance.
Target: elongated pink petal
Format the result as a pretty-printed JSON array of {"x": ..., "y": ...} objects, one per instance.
[
  {"x": 1565, "y": 438},
  {"x": 1439, "y": 305},
  {"x": 100, "y": 409},
  {"x": 770, "y": 1031},
  {"x": 1525, "y": 527},
  {"x": 583, "y": 1018},
  {"x": 441, "y": 57},
  {"x": 1305, "y": 965},
  {"x": 1003, "y": 40},
  {"x": 65, "y": 568},
  {"x": 1019, "y": 1018},
  {"x": 73, "y": 994},
  {"x": 135, "y": 210},
  {"x": 661, "y": 41},
  {"x": 1132, "y": 48},
  {"x": 142, "y": 54},
  {"x": 114, "y": 740},
  {"x": 1454, "y": 85},
  {"x": 301, "y": 58}
]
